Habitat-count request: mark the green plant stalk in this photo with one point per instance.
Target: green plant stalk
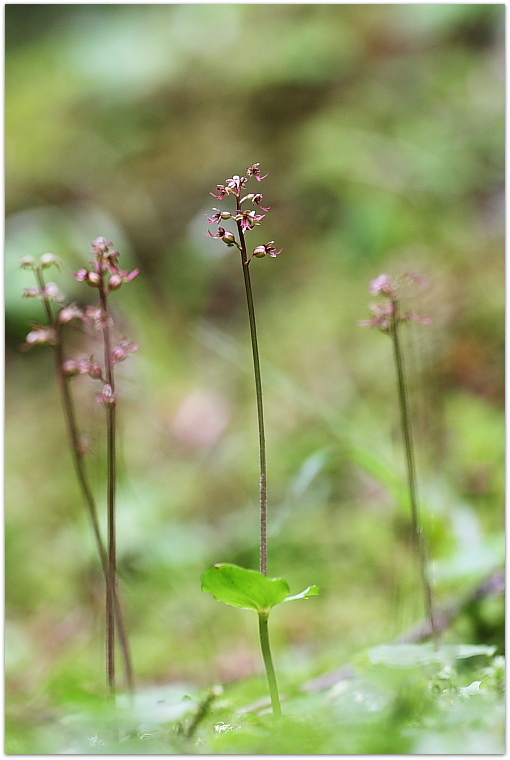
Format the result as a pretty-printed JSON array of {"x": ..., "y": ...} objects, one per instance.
[
  {"x": 111, "y": 582},
  {"x": 411, "y": 470},
  {"x": 260, "y": 406},
  {"x": 268, "y": 663},
  {"x": 79, "y": 464}
]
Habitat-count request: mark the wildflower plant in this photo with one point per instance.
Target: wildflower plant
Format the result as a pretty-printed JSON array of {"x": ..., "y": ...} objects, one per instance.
[
  {"x": 105, "y": 276},
  {"x": 388, "y": 317},
  {"x": 228, "y": 583}
]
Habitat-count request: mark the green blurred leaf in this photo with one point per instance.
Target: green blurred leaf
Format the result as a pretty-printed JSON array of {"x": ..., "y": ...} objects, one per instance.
[{"x": 416, "y": 655}]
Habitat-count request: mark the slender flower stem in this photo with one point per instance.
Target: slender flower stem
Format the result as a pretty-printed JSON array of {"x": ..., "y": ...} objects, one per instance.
[
  {"x": 79, "y": 464},
  {"x": 411, "y": 469},
  {"x": 260, "y": 407},
  {"x": 268, "y": 663},
  {"x": 111, "y": 584}
]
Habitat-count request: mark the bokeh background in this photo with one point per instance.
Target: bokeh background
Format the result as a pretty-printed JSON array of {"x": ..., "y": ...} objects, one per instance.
[{"x": 382, "y": 130}]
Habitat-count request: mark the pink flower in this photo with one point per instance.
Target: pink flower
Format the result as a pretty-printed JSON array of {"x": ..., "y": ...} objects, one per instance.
[
  {"x": 100, "y": 245},
  {"x": 235, "y": 185},
  {"x": 382, "y": 314},
  {"x": 223, "y": 234},
  {"x": 222, "y": 192},
  {"x": 40, "y": 335},
  {"x": 123, "y": 350},
  {"x": 263, "y": 250},
  {"x": 106, "y": 396},
  {"x": 382, "y": 285},
  {"x": 219, "y": 216},
  {"x": 254, "y": 171},
  {"x": 248, "y": 219}
]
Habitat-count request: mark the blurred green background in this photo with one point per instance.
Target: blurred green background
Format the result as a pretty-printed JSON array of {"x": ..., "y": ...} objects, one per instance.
[{"x": 382, "y": 130}]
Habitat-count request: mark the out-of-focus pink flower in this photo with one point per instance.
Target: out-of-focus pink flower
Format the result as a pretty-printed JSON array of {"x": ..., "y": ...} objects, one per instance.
[
  {"x": 41, "y": 335},
  {"x": 382, "y": 314},
  {"x": 106, "y": 396},
  {"x": 100, "y": 245},
  {"x": 382, "y": 285},
  {"x": 122, "y": 351},
  {"x": 68, "y": 313}
]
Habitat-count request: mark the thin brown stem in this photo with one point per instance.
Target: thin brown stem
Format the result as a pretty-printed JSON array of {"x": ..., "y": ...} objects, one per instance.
[
  {"x": 418, "y": 537},
  {"x": 79, "y": 465},
  {"x": 111, "y": 585},
  {"x": 260, "y": 407}
]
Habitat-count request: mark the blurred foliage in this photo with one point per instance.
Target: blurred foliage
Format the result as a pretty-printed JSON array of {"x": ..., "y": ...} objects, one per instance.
[{"x": 382, "y": 129}]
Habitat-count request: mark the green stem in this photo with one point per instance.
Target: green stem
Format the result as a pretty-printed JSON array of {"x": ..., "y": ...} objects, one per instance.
[
  {"x": 411, "y": 470},
  {"x": 268, "y": 663},
  {"x": 260, "y": 408},
  {"x": 79, "y": 465}
]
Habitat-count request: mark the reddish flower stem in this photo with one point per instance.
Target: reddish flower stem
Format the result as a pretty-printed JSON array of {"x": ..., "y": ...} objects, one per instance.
[
  {"x": 258, "y": 393},
  {"x": 405, "y": 421},
  {"x": 111, "y": 582}
]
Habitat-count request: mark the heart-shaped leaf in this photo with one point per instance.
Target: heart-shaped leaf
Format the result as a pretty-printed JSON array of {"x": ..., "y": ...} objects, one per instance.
[{"x": 247, "y": 589}]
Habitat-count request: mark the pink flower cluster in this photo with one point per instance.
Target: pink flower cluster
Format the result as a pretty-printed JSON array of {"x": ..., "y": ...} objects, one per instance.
[
  {"x": 103, "y": 274},
  {"x": 246, "y": 219},
  {"x": 384, "y": 314}
]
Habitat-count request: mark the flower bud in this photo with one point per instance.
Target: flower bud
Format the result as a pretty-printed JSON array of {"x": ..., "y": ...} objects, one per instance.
[
  {"x": 68, "y": 313},
  {"x": 70, "y": 368},
  {"x": 95, "y": 371},
  {"x": 42, "y": 335},
  {"x": 115, "y": 282},
  {"x": 100, "y": 245},
  {"x": 106, "y": 396},
  {"x": 81, "y": 275},
  {"x": 259, "y": 251},
  {"x": 48, "y": 260},
  {"x": 52, "y": 292},
  {"x": 27, "y": 262},
  {"x": 93, "y": 279},
  {"x": 32, "y": 292},
  {"x": 229, "y": 238}
]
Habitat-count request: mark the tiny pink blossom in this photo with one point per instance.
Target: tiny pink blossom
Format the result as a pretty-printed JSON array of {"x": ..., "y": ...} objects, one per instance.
[
  {"x": 219, "y": 216},
  {"x": 248, "y": 219},
  {"x": 235, "y": 184},
  {"x": 100, "y": 245},
  {"x": 41, "y": 336},
  {"x": 106, "y": 396},
  {"x": 382, "y": 284},
  {"x": 222, "y": 192},
  {"x": 81, "y": 275},
  {"x": 223, "y": 234},
  {"x": 70, "y": 367},
  {"x": 122, "y": 351},
  {"x": 263, "y": 250},
  {"x": 68, "y": 313},
  {"x": 254, "y": 171},
  {"x": 32, "y": 292}
]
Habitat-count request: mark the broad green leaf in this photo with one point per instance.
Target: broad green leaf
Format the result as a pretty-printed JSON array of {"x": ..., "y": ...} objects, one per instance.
[
  {"x": 310, "y": 591},
  {"x": 247, "y": 589}
]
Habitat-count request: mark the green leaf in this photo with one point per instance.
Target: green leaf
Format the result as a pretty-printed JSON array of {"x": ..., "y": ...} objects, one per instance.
[
  {"x": 247, "y": 589},
  {"x": 417, "y": 655},
  {"x": 310, "y": 591}
]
